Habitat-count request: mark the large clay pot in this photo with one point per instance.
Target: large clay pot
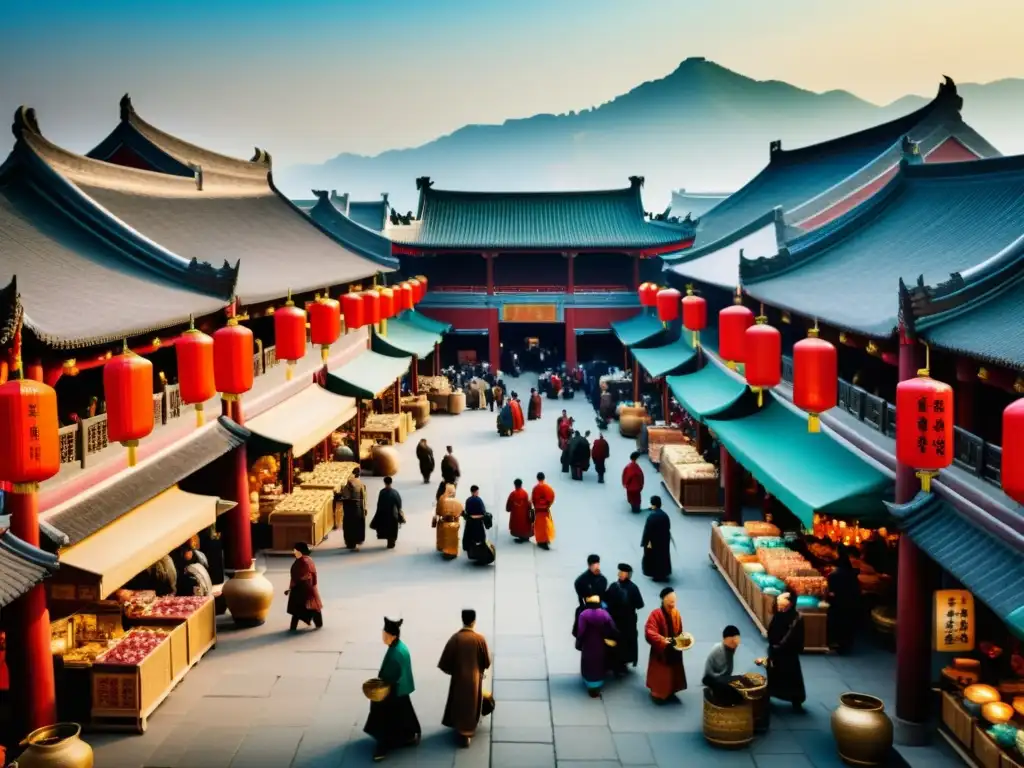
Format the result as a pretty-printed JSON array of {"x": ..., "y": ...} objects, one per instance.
[
  {"x": 385, "y": 461},
  {"x": 630, "y": 424},
  {"x": 249, "y": 595},
  {"x": 456, "y": 403},
  {"x": 862, "y": 730},
  {"x": 728, "y": 727},
  {"x": 56, "y": 746}
]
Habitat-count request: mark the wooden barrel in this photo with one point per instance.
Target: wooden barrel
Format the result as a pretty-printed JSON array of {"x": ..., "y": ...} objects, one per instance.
[
  {"x": 438, "y": 401},
  {"x": 385, "y": 460},
  {"x": 420, "y": 412},
  {"x": 456, "y": 402},
  {"x": 728, "y": 727},
  {"x": 630, "y": 425}
]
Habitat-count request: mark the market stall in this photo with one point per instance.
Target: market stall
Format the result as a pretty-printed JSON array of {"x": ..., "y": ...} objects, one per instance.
[
  {"x": 329, "y": 476},
  {"x": 691, "y": 481},
  {"x": 654, "y": 437}
]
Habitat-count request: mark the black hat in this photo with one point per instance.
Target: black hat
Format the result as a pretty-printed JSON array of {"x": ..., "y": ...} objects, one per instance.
[
  {"x": 302, "y": 547},
  {"x": 593, "y": 559},
  {"x": 625, "y": 567},
  {"x": 665, "y": 592},
  {"x": 393, "y": 627}
]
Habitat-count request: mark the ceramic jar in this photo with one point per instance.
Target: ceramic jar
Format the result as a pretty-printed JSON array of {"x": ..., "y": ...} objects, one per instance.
[
  {"x": 56, "y": 746},
  {"x": 862, "y": 730},
  {"x": 249, "y": 595}
]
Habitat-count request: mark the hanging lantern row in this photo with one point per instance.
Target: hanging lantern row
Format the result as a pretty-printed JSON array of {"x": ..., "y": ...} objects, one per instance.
[
  {"x": 733, "y": 322},
  {"x": 924, "y": 424},
  {"x": 762, "y": 357},
  {"x": 695, "y": 314},
  {"x": 128, "y": 390},
  {"x": 324, "y": 323},
  {"x": 194, "y": 353},
  {"x": 233, "y": 350},
  {"x": 815, "y": 377},
  {"x": 290, "y": 335},
  {"x": 667, "y": 302},
  {"x": 353, "y": 309},
  {"x": 1012, "y": 469}
]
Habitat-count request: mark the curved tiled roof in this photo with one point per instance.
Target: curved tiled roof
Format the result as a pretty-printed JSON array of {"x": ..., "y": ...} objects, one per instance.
[
  {"x": 366, "y": 242},
  {"x": 372, "y": 214},
  {"x": 22, "y": 566},
  {"x": 929, "y": 221},
  {"x": 807, "y": 181},
  {"x": 608, "y": 219},
  {"x": 238, "y": 216},
  {"x": 694, "y": 204}
]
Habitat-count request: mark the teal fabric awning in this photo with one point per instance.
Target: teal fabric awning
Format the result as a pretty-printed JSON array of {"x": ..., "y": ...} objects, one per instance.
[
  {"x": 808, "y": 472},
  {"x": 425, "y": 323},
  {"x": 707, "y": 392},
  {"x": 404, "y": 339},
  {"x": 641, "y": 329},
  {"x": 985, "y": 565},
  {"x": 668, "y": 358},
  {"x": 366, "y": 376}
]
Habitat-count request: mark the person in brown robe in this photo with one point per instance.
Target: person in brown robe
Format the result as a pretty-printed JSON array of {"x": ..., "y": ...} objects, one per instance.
[
  {"x": 465, "y": 659},
  {"x": 450, "y": 471},
  {"x": 665, "y": 673},
  {"x": 304, "y": 602}
]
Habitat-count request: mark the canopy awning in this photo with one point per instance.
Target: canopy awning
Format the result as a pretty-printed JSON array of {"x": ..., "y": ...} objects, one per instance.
[
  {"x": 641, "y": 329},
  {"x": 133, "y": 542},
  {"x": 706, "y": 393},
  {"x": 986, "y": 566},
  {"x": 404, "y": 339},
  {"x": 425, "y": 323},
  {"x": 303, "y": 420},
  {"x": 366, "y": 376},
  {"x": 668, "y": 358},
  {"x": 808, "y": 472}
]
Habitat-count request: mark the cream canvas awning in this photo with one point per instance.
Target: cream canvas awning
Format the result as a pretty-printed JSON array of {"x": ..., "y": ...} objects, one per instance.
[
  {"x": 305, "y": 419},
  {"x": 136, "y": 540}
]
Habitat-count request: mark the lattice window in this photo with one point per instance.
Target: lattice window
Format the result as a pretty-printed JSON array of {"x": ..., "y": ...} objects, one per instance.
[
  {"x": 158, "y": 409},
  {"x": 172, "y": 402},
  {"x": 69, "y": 444},
  {"x": 94, "y": 436}
]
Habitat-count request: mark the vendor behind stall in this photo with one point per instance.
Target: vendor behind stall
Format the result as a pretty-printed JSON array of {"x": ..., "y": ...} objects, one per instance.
[{"x": 718, "y": 670}]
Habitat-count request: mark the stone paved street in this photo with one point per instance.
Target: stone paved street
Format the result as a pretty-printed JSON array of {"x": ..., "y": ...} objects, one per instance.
[{"x": 265, "y": 699}]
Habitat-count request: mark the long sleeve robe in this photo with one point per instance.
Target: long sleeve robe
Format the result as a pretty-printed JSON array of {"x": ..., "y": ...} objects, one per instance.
[
  {"x": 517, "y": 416},
  {"x": 474, "y": 533},
  {"x": 593, "y": 627},
  {"x": 665, "y": 673},
  {"x": 385, "y": 520},
  {"x": 624, "y": 600},
  {"x": 543, "y": 497},
  {"x": 785, "y": 643},
  {"x": 465, "y": 659},
  {"x": 450, "y": 469},
  {"x": 633, "y": 482},
  {"x": 518, "y": 506},
  {"x": 303, "y": 595},
  {"x": 657, "y": 535},
  {"x": 534, "y": 407}
]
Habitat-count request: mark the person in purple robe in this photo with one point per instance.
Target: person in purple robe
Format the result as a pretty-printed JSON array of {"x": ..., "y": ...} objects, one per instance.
[{"x": 595, "y": 637}]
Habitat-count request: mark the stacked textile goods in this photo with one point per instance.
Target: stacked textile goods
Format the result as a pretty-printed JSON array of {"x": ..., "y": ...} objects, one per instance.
[
  {"x": 329, "y": 475},
  {"x": 680, "y": 466},
  {"x": 658, "y": 437}
]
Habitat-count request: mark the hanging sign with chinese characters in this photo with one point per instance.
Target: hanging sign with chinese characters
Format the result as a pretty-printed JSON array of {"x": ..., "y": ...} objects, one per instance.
[
  {"x": 954, "y": 620},
  {"x": 924, "y": 425}
]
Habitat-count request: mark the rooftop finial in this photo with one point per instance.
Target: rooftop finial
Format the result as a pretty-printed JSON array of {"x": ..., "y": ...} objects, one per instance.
[
  {"x": 321, "y": 194},
  {"x": 261, "y": 156},
  {"x": 127, "y": 110},
  {"x": 775, "y": 146},
  {"x": 423, "y": 183},
  {"x": 636, "y": 182},
  {"x": 25, "y": 120}
]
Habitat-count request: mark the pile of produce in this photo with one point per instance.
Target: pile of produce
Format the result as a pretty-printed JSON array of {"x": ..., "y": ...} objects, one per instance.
[
  {"x": 134, "y": 647},
  {"x": 305, "y": 500},
  {"x": 167, "y": 608}
]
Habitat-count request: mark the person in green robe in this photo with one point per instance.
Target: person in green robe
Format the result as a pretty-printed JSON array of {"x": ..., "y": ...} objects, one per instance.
[{"x": 392, "y": 722}]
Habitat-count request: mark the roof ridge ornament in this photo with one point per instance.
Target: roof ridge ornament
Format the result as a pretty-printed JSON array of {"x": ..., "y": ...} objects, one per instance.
[
  {"x": 636, "y": 182},
  {"x": 948, "y": 93},
  {"x": 424, "y": 183},
  {"x": 127, "y": 110},
  {"x": 25, "y": 122},
  {"x": 775, "y": 147},
  {"x": 262, "y": 157},
  {"x": 321, "y": 194}
]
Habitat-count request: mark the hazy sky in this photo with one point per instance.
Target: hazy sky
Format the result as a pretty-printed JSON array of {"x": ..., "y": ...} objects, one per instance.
[{"x": 311, "y": 79}]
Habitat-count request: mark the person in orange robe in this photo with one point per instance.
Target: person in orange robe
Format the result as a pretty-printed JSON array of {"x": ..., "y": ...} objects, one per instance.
[
  {"x": 633, "y": 482},
  {"x": 543, "y": 497},
  {"x": 666, "y": 675},
  {"x": 520, "y": 521},
  {"x": 517, "y": 413}
]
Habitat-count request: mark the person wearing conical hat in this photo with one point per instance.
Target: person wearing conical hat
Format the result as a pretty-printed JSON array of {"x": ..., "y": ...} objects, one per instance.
[{"x": 392, "y": 722}]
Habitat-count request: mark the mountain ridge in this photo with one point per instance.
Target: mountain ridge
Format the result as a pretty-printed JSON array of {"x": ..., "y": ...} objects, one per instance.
[{"x": 702, "y": 126}]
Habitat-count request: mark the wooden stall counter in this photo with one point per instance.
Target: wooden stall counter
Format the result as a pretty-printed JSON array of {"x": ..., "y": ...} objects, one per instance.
[
  {"x": 388, "y": 428},
  {"x": 692, "y": 483},
  {"x": 329, "y": 476},
  {"x": 131, "y": 680},
  {"x": 305, "y": 515}
]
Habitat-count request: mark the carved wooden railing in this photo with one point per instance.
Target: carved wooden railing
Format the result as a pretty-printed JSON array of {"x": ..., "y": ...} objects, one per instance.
[
  {"x": 586, "y": 288},
  {"x": 172, "y": 402},
  {"x": 970, "y": 452},
  {"x": 93, "y": 438},
  {"x": 158, "y": 409},
  {"x": 68, "y": 441},
  {"x": 269, "y": 357}
]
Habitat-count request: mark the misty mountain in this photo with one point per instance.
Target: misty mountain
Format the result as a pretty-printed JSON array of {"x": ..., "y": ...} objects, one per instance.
[{"x": 702, "y": 127}]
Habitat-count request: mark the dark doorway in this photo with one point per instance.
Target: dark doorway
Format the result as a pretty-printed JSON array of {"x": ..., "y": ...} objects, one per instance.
[
  {"x": 458, "y": 348},
  {"x": 537, "y": 346},
  {"x": 603, "y": 347}
]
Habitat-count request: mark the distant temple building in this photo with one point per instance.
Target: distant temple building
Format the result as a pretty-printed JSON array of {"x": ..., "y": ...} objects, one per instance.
[
  {"x": 553, "y": 265},
  {"x": 372, "y": 214}
]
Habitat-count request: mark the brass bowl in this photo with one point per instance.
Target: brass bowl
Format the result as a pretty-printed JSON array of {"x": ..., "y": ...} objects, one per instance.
[
  {"x": 683, "y": 642},
  {"x": 376, "y": 689}
]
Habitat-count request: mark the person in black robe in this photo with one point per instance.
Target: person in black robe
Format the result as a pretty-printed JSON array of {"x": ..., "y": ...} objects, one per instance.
[
  {"x": 389, "y": 515},
  {"x": 474, "y": 533},
  {"x": 785, "y": 642},
  {"x": 844, "y": 603},
  {"x": 590, "y": 582},
  {"x": 580, "y": 458},
  {"x": 624, "y": 600},
  {"x": 425, "y": 457},
  {"x": 657, "y": 562}
]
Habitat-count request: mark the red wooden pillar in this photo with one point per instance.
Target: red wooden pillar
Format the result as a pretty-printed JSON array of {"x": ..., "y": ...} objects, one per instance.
[
  {"x": 636, "y": 271},
  {"x": 397, "y": 405},
  {"x": 636, "y": 381},
  {"x": 731, "y": 479},
  {"x": 494, "y": 342},
  {"x": 913, "y": 602},
  {"x": 414, "y": 376},
  {"x": 965, "y": 391},
  {"x": 237, "y": 522},
  {"x": 28, "y": 626},
  {"x": 570, "y": 334},
  {"x": 571, "y": 284}
]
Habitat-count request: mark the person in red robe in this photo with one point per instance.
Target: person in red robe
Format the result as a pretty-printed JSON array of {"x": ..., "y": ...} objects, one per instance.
[
  {"x": 556, "y": 385},
  {"x": 517, "y": 414},
  {"x": 533, "y": 407},
  {"x": 543, "y": 496},
  {"x": 599, "y": 454},
  {"x": 633, "y": 482},
  {"x": 304, "y": 602},
  {"x": 520, "y": 513},
  {"x": 666, "y": 675},
  {"x": 564, "y": 432}
]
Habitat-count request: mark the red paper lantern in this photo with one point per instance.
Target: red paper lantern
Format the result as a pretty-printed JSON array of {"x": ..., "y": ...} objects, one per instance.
[
  {"x": 695, "y": 313},
  {"x": 194, "y": 353},
  {"x": 423, "y": 286},
  {"x": 924, "y": 425},
  {"x": 403, "y": 297},
  {"x": 1012, "y": 472},
  {"x": 353, "y": 307},
  {"x": 128, "y": 389},
  {"x": 815, "y": 377},
  {"x": 733, "y": 323},
  {"x": 29, "y": 439},
  {"x": 324, "y": 324},
  {"x": 387, "y": 303},
  {"x": 232, "y": 359},
  {"x": 290, "y": 335},
  {"x": 371, "y": 304},
  {"x": 648, "y": 293},
  {"x": 667, "y": 301},
  {"x": 762, "y": 357},
  {"x": 417, "y": 290}
]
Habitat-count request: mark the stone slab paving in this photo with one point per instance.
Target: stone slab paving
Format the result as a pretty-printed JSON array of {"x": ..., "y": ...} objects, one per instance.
[{"x": 267, "y": 698}]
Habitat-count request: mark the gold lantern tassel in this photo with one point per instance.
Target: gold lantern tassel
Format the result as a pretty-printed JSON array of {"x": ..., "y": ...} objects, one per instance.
[
  {"x": 131, "y": 445},
  {"x": 200, "y": 416},
  {"x": 813, "y": 421},
  {"x": 761, "y": 319}
]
